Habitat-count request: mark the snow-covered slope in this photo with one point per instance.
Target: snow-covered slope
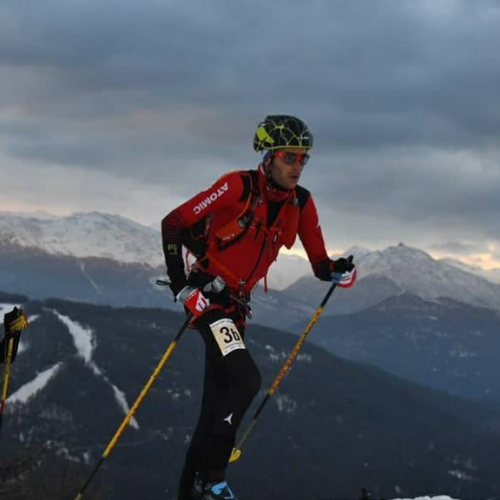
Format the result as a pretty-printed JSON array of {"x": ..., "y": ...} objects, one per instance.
[
  {"x": 417, "y": 272},
  {"x": 84, "y": 341},
  {"x": 84, "y": 235},
  {"x": 399, "y": 269},
  {"x": 492, "y": 275}
]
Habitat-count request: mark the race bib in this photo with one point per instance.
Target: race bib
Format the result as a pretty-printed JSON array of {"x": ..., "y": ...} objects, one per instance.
[{"x": 227, "y": 336}]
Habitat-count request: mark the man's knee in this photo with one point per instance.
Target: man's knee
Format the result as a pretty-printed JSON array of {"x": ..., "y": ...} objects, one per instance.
[{"x": 243, "y": 374}]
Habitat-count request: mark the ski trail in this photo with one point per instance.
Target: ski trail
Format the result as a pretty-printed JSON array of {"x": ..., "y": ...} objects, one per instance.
[
  {"x": 29, "y": 390},
  {"x": 83, "y": 338},
  {"x": 85, "y": 342},
  {"x": 91, "y": 281},
  {"x": 119, "y": 395}
]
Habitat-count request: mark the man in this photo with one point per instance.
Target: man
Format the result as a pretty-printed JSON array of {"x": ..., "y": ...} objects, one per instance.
[{"x": 235, "y": 230}]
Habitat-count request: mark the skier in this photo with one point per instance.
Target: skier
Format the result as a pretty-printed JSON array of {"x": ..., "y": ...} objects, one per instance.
[{"x": 235, "y": 230}]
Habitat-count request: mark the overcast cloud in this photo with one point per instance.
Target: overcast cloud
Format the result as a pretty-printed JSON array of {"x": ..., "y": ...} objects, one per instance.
[{"x": 131, "y": 107}]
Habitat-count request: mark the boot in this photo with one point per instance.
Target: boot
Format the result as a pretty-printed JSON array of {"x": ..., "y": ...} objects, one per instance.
[{"x": 217, "y": 491}]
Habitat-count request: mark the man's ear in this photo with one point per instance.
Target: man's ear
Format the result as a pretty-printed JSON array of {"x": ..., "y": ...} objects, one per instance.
[{"x": 267, "y": 164}]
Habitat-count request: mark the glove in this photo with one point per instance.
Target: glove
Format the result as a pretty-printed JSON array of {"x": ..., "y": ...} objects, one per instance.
[
  {"x": 343, "y": 271},
  {"x": 193, "y": 300},
  {"x": 15, "y": 321}
]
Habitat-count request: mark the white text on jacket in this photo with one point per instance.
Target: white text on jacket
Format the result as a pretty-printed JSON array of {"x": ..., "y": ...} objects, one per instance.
[{"x": 209, "y": 199}]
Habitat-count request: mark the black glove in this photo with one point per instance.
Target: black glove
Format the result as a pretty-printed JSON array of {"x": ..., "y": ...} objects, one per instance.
[
  {"x": 343, "y": 271},
  {"x": 14, "y": 322}
]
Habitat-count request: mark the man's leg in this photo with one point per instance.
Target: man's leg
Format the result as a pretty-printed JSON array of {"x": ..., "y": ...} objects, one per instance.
[
  {"x": 213, "y": 395},
  {"x": 239, "y": 381}
]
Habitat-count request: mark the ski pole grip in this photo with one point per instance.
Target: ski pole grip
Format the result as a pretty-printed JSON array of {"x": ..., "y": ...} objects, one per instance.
[{"x": 215, "y": 286}]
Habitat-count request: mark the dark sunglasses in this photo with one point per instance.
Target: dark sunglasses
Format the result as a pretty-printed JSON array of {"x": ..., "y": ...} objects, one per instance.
[{"x": 291, "y": 158}]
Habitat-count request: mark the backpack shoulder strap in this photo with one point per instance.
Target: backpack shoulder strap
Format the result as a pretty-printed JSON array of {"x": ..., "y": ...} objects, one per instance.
[
  {"x": 302, "y": 196},
  {"x": 250, "y": 184}
]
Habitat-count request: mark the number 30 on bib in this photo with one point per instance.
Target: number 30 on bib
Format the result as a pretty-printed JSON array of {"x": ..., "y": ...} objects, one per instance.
[{"x": 227, "y": 336}]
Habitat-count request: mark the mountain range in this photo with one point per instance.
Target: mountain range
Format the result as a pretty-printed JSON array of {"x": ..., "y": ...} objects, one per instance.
[
  {"x": 332, "y": 427},
  {"x": 440, "y": 343},
  {"x": 400, "y": 316},
  {"x": 114, "y": 237}
]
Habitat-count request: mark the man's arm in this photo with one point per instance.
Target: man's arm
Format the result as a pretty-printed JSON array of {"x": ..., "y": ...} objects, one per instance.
[
  {"x": 176, "y": 225},
  {"x": 341, "y": 271},
  {"x": 312, "y": 238}
]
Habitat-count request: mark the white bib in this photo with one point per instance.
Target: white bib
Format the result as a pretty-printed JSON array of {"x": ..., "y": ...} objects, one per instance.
[{"x": 227, "y": 336}]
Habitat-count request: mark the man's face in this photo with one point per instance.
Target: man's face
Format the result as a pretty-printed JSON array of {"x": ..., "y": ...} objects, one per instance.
[{"x": 284, "y": 174}]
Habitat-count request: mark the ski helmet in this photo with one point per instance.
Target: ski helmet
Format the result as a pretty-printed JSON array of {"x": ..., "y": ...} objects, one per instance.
[{"x": 282, "y": 131}]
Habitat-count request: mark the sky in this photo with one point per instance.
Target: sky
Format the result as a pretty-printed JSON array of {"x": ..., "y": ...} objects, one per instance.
[{"x": 133, "y": 107}]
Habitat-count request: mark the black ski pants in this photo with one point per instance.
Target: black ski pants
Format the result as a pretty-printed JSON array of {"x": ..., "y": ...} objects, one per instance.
[{"x": 231, "y": 382}]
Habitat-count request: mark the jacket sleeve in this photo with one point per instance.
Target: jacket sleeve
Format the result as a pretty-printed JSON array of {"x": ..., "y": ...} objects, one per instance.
[
  {"x": 312, "y": 238},
  {"x": 175, "y": 227}
]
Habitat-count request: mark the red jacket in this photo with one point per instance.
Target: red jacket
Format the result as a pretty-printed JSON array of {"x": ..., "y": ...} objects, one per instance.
[{"x": 247, "y": 259}]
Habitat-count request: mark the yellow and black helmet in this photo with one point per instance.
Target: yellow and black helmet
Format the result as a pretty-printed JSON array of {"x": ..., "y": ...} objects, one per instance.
[{"x": 282, "y": 131}]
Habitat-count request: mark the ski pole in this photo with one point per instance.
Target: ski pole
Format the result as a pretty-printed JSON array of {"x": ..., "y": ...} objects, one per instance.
[
  {"x": 236, "y": 453},
  {"x": 6, "y": 376},
  {"x": 138, "y": 401},
  {"x": 15, "y": 321}
]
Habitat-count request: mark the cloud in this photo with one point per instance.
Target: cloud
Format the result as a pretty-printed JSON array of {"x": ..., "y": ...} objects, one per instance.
[
  {"x": 400, "y": 96},
  {"x": 460, "y": 247}
]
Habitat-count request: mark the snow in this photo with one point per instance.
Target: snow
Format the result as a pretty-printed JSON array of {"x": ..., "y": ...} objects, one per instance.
[
  {"x": 29, "y": 390},
  {"x": 415, "y": 271},
  {"x": 5, "y": 308},
  {"x": 285, "y": 404},
  {"x": 440, "y": 497},
  {"x": 92, "y": 282},
  {"x": 83, "y": 338},
  {"x": 85, "y": 343},
  {"x": 92, "y": 234},
  {"x": 408, "y": 270}
]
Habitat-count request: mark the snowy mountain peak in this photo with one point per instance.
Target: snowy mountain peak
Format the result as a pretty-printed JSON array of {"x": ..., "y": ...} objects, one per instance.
[
  {"x": 357, "y": 251},
  {"x": 401, "y": 268},
  {"x": 399, "y": 262},
  {"x": 93, "y": 234},
  {"x": 416, "y": 271}
]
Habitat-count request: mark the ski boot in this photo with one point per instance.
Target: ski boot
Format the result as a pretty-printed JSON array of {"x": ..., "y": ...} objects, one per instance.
[{"x": 217, "y": 491}]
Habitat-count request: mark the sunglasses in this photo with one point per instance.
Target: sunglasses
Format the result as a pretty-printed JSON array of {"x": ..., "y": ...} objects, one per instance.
[{"x": 290, "y": 158}]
